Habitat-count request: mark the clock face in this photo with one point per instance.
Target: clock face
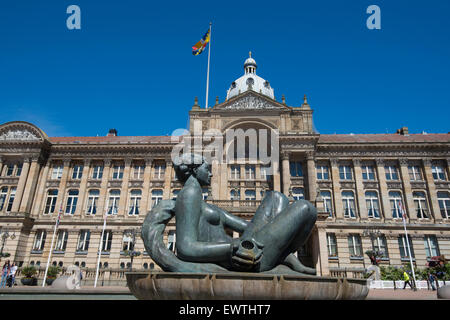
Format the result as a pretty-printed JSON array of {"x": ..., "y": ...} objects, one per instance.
[{"x": 250, "y": 81}]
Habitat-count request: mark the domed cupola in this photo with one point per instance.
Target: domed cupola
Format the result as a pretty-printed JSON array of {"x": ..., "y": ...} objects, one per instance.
[{"x": 250, "y": 81}]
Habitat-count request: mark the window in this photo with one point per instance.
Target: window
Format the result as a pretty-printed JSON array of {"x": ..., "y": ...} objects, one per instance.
[
  {"x": 235, "y": 194},
  {"x": 57, "y": 172},
  {"x": 77, "y": 172},
  {"x": 322, "y": 172},
  {"x": 235, "y": 172},
  {"x": 117, "y": 172},
  {"x": 326, "y": 196},
  {"x": 395, "y": 198},
  {"x": 39, "y": 240},
  {"x": 403, "y": 245},
  {"x": 171, "y": 239},
  {"x": 83, "y": 240},
  {"x": 97, "y": 172},
  {"x": 12, "y": 195},
  {"x": 368, "y": 172},
  {"x": 61, "y": 241},
  {"x": 348, "y": 201},
  {"x": 3, "y": 195},
  {"x": 135, "y": 202},
  {"x": 444, "y": 204},
  {"x": 19, "y": 169},
  {"x": 391, "y": 172},
  {"x": 355, "y": 246},
  {"x": 138, "y": 172},
  {"x": 113, "y": 202},
  {"x": 10, "y": 169},
  {"x": 431, "y": 246},
  {"x": 332, "y": 245},
  {"x": 157, "y": 196},
  {"x": 175, "y": 193},
  {"x": 438, "y": 172},
  {"x": 50, "y": 204},
  {"x": 421, "y": 205},
  {"x": 92, "y": 202},
  {"x": 250, "y": 195},
  {"x": 127, "y": 242},
  {"x": 72, "y": 200},
  {"x": 160, "y": 170},
  {"x": 372, "y": 204},
  {"x": 298, "y": 193},
  {"x": 249, "y": 172},
  {"x": 106, "y": 241},
  {"x": 205, "y": 193},
  {"x": 345, "y": 172},
  {"x": 296, "y": 168},
  {"x": 264, "y": 172},
  {"x": 379, "y": 245},
  {"x": 415, "y": 174}
]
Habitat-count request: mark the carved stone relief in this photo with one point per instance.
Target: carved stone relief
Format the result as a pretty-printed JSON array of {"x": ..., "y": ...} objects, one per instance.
[{"x": 23, "y": 135}]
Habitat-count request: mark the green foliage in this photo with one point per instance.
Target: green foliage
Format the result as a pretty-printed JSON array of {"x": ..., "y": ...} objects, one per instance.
[
  {"x": 29, "y": 271},
  {"x": 5, "y": 255},
  {"x": 396, "y": 273},
  {"x": 391, "y": 273},
  {"x": 53, "y": 271}
]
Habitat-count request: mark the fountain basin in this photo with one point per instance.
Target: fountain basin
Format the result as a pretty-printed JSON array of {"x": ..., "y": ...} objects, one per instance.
[{"x": 242, "y": 286}]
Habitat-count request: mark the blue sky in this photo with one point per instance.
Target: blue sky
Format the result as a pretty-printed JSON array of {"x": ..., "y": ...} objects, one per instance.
[{"x": 130, "y": 66}]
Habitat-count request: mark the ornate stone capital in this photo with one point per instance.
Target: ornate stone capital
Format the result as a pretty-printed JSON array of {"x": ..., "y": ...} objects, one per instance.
[
  {"x": 310, "y": 155},
  {"x": 148, "y": 162},
  {"x": 334, "y": 162},
  {"x": 379, "y": 162},
  {"x": 403, "y": 162},
  {"x": 285, "y": 155},
  {"x": 128, "y": 161},
  {"x": 356, "y": 162},
  {"x": 87, "y": 162},
  {"x": 427, "y": 162},
  {"x": 107, "y": 162},
  {"x": 66, "y": 162}
]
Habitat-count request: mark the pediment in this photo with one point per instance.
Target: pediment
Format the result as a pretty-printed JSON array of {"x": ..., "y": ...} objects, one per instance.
[
  {"x": 250, "y": 101},
  {"x": 21, "y": 131}
]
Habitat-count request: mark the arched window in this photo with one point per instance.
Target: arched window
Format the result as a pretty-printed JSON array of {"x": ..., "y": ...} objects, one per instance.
[
  {"x": 326, "y": 196},
  {"x": 3, "y": 195},
  {"x": 12, "y": 195},
  {"x": 348, "y": 201},
  {"x": 372, "y": 204},
  {"x": 52, "y": 196},
  {"x": 72, "y": 200},
  {"x": 113, "y": 202},
  {"x": 135, "y": 202},
  {"x": 395, "y": 198},
  {"x": 444, "y": 204},
  {"x": 420, "y": 202},
  {"x": 157, "y": 196},
  {"x": 235, "y": 194},
  {"x": 92, "y": 202}
]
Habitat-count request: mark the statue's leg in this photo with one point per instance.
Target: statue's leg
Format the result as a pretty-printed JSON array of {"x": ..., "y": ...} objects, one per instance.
[
  {"x": 295, "y": 264},
  {"x": 285, "y": 233}
]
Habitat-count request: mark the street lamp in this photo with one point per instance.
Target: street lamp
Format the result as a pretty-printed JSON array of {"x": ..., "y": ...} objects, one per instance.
[
  {"x": 373, "y": 233},
  {"x": 132, "y": 253},
  {"x": 5, "y": 236}
]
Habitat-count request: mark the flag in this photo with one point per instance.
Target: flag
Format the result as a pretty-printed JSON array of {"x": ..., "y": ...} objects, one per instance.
[
  {"x": 199, "y": 46},
  {"x": 400, "y": 207},
  {"x": 59, "y": 216}
]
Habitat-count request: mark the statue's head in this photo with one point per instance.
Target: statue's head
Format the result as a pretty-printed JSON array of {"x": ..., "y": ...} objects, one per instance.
[{"x": 191, "y": 164}]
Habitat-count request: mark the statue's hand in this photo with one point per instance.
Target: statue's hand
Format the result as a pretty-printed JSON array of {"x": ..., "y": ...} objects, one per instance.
[{"x": 246, "y": 253}]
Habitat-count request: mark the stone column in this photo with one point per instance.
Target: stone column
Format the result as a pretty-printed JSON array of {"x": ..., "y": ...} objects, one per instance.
[
  {"x": 286, "y": 173},
  {"x": 21, "y": 185},
  {"x": 276, "y": 176},
  {"x": 146, "y": 186},
  {"x": 448, "y": 168},
  {"x": 432, "y": 193},
  {"x": 62, "y": 185},
  {"x": 215, "y": 180},
  {"x": 102, "y": 199},
  {"x": 167, "y": 180},
  {"x": 1, "y": 166},
  {"x": 383, "y": 194},
  {"x": 338, "y": 207},
  {"x": 30, "y": 187},
  {"x": 81, "y": 207},
  {"x": 224, "y": 172},
  {"x": 407, "y": 190},
  {"x": 312, "y": 177},
  {"x": 40, "y": 192},
  {"x": 360, "y": 190},
  {"x": 124, "y": 191}
]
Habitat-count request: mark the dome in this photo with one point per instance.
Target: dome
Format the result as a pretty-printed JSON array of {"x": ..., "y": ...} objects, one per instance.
[{"x": 250, "y": 81}]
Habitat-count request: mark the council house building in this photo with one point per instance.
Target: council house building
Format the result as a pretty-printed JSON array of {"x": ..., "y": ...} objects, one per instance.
[{"x": 357, "y": 181}]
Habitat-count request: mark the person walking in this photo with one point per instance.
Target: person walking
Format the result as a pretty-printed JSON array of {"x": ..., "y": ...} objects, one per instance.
[
  {"x": 12, "y": 275},
  {"x": 432, "y": 280},
  {"x": 5, "y": 273},
  {"x": 406, "y": 280}
]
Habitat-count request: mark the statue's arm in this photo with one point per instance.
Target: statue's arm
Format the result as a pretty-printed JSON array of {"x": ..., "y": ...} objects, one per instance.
[
  {"x": 231, "y": 221},
  {"x": 188, "y": 211}
]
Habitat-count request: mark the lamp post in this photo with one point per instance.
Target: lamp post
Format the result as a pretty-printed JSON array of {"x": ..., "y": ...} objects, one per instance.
[
  {"x": 132, "y": 253},
  {"x": 5, "y": 236}
]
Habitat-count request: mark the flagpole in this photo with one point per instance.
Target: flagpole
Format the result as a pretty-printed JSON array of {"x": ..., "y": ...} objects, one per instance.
[
  {"x": 100, "y": 249},
  {"x": 51, "y": 246},
  {"x": 207, "y": 74},
  {"x": 407, "y": 243}
]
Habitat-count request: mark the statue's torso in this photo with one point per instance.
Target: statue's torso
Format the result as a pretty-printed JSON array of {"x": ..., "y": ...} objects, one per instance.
[{"x": 211, "y": 227}]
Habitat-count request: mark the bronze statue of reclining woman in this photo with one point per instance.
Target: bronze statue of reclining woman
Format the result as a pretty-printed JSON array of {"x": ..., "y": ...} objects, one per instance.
[{"x": 267, "y": 242}]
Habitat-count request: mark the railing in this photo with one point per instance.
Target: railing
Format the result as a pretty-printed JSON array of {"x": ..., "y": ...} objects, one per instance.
[
  {"x": 357, "y": 273},
  {"x": 235, "y": 203}
]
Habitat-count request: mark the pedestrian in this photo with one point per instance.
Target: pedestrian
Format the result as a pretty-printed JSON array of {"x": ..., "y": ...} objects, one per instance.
[
  {"x": 5, "y": 273},
  {"x": 432, "y": 280},
  {"x": 12, "y": 275},
  {"x": 406, "y": 279}
]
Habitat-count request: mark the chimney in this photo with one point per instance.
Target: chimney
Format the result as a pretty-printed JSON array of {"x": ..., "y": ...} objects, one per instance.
[
  {"x": 403, "y": 131},
  {"x": 112, "y": 133}
]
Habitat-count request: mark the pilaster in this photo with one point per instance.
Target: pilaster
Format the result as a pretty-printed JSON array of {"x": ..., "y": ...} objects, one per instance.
[
  {"x": 384, "y": 196},
  {"x": 407, "y": 190},
  {"x": 432, "y": 194},
  {"x": 80, "y": 211},
  {"x": 360, "y": 190},
  {"x": 286, "y": 173},
  {"x": 62, "y": 185},
  {"x": 21, "y": 185},
  {"x": 338, "y": 207},
  {"x": 30, "y": 187},
  {"x": 124, "y": 190}
]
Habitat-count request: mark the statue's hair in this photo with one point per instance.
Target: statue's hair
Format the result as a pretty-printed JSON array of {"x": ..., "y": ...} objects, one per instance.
[{"x": 184, "y": 165}]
